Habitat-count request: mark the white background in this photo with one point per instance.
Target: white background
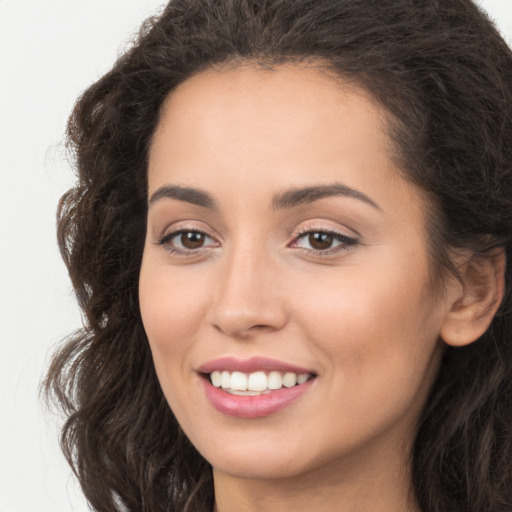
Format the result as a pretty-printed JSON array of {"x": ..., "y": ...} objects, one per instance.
[{"x": 50, "y": 51}]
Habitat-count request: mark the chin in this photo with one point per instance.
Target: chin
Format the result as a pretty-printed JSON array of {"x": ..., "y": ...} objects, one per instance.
[
  {"x": 259, "y": 460},
  {"x": 258, "y": 468}
]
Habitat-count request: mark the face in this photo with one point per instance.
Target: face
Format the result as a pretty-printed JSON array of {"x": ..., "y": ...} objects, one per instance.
[{"x": 286, "y": 261}]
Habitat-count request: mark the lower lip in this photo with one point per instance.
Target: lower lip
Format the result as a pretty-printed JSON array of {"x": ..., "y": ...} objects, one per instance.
[{"x": 239, "y": 406}]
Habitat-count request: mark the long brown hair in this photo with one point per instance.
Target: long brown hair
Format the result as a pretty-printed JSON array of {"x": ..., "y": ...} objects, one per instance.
[{"x": 444, "y": 75}]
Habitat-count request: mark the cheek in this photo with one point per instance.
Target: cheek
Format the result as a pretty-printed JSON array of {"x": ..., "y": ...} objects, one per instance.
[
  {"x": 376, "y": 334},
  {"x": 172, "y": 310},
  {"x": 352, "y": 303},
  {"x": 173, "y": 306}
]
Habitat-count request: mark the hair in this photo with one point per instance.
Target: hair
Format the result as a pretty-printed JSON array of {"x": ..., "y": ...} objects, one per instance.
[{"x": 444, "y": 77}]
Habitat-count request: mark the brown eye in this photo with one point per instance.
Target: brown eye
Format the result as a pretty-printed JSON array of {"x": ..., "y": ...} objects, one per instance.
[
  {"x": 192, "y": 239},
  {"x": 320, "y": 241},
  {"x": 324, "y": 242},
  {"x": 186, "y": 242}
]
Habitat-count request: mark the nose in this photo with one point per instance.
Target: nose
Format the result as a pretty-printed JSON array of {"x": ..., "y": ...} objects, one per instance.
[{"x": 249, "y": 299}]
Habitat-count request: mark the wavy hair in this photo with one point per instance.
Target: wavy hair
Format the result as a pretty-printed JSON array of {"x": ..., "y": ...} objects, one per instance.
[{"x": 444, "y": 76}]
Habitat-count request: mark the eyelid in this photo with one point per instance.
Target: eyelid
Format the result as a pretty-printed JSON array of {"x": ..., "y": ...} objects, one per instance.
[
  {"x": 184, "y": 225},
  {"x": 171, "y": 234},
  {"x": 347, "y": 242},
  {"x": 164, "y": 239}
]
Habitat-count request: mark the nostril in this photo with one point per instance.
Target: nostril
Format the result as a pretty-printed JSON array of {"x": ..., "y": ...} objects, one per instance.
[
  {"x": 244, "y": 332},
  {"x": 261, "y": 327}
]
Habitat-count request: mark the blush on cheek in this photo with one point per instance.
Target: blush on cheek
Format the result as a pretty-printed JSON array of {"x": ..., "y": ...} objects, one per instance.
[
  {"x": 164, "y": 314},
  {"x": 166, "y": 333}
]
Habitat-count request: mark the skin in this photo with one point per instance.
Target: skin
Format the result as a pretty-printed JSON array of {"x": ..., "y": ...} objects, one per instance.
[{"x": 364, "y": 317}]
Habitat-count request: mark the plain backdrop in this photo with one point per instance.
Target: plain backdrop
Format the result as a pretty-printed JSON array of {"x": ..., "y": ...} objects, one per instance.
[{"x": 50, "y": 51}]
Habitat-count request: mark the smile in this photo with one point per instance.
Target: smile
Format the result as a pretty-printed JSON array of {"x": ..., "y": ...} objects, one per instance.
[
  {"x": 256, "y": 383},
  {"x": 253, "y": 388}
]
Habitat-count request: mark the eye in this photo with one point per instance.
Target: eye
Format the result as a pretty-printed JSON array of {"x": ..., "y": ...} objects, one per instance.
[
  {"x": 186, "y": 240},
  {"x": 320, "y": 241},
  {"x": 323, "y": 241}
]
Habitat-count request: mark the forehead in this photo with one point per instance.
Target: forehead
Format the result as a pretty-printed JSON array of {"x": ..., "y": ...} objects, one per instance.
[
  {"x": 251, "y": 117},
  {"x": 247, "y": 134},
  {"x": 282, "y": 97}
]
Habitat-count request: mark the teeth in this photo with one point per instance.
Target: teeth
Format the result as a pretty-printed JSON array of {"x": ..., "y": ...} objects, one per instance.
[
  {"x": 247, "y": 393},
  {"x": 301, "y": 378},
  {"x": 289, "y": 379},
  {"x": 275, "y": 380},
  {"x": 256, "y": 383},
  {"x": 216, "y": 379},
  {"x": 238, "y": 381},
  {"x": 225, "y": 379}
]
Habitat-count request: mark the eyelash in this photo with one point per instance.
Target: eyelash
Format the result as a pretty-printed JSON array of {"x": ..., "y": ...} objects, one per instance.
[
  {"x": 345, "y": 242},
  {"x": 165, "y": 240}
]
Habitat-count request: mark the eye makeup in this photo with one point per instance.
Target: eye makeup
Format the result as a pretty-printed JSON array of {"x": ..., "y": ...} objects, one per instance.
[{"x": 309, "y": 240}]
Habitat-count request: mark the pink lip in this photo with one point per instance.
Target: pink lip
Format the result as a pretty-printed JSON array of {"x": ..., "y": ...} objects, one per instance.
[
  {"x": 248, "y": 407},
  {"x": 239, "y": 406},
  {"x": 232, "y": 364}
]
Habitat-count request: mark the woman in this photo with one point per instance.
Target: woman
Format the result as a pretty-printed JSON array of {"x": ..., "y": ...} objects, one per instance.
[{"x": 289, "y": 237}]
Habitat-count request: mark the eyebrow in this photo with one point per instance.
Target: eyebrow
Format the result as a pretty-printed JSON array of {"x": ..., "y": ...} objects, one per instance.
[
  {"x": 298, "y": 196},
  {"x": 186, "y": 194},
  {"x": 287, "y": 199}
]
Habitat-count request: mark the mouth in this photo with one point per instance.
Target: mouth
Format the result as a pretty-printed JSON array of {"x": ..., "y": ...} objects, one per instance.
[
  {"x": 255, "y": 383},
  {"x": 253, "y": 388}
]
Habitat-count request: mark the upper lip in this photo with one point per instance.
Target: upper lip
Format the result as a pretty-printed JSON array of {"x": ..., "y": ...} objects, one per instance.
[{"x": 254, "y": 364}]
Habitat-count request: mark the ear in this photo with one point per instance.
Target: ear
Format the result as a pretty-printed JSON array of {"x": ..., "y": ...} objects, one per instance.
[{"x": 474, "y": 299}]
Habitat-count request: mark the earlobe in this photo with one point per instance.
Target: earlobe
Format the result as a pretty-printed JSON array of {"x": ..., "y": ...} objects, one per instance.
[{"x": 475, "y": 299}]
